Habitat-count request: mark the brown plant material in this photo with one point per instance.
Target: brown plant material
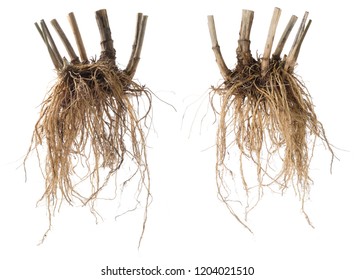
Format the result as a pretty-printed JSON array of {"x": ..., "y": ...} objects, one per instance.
[
  {"x": 90, "y": 123},
  {"x": 266, "y": 115}
]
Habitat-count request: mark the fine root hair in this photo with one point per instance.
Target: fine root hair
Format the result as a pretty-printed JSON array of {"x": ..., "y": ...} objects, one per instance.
[
  {"x": 91, "y": 121},
  {"x": 269, "y": 119}
]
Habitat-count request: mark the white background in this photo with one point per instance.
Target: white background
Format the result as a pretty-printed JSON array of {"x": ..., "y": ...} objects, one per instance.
[{"x": 187, "y": 225}]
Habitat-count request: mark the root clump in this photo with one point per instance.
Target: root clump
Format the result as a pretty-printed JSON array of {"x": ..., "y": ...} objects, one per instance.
[
  {"x": 265, "y": 117},
  {"x": 90, "y": 125}
]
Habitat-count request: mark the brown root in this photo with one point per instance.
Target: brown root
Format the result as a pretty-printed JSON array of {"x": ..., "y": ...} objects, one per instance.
[
  {"x": 88, "y": 123},
  {"x": 266, "y": 120},
  {"x": 91, "y": 125}
]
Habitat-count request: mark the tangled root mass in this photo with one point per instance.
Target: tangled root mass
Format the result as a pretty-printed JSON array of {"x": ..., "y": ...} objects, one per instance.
[
  {"x": 88, "y": 123},
  {"x": 268, "y": 119}
]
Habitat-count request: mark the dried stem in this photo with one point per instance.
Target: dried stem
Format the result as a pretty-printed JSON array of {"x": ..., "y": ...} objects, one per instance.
[
  {"x": 40, "y": 31},
  {"x": 225, "y": 72},
  {"x": 52, "y": 48},
  {"x": 276, "y": 55},
  {"x": 73, "y": 57},
  {"x": 135, "y": 42},
  {"x": 269, "y": 41},
  {"x": 297, "y": 52},
  {"x": 295, "y": 49},
  {"x": 78, "y": 38},
  {"x": 137, "y": 45},
  {"x": 299, "y": 31},
  {"x": 107, "y": 49},
  {"x": 244, "y": 56},
  {"x": 50, "y": 51}
]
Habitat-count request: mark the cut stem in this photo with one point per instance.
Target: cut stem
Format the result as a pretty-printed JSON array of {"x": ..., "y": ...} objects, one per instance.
[
  {"x": 292, "y": 58},
  {"x": 107, "y": 49},
  {"x": 73, "y": 57},
  {"x": 40, "y": 31},
  {"x": 78, "y": 38},
  {"x": 137, "y": 45},
  {"x": 284, "y": 37},
  {"x": 297, "y": 52},
  {"x": 243, "y": 51},
  {"x": 300, "y": 30},
  {"x": 50, "y": 51},
  {"x": 135, "y": 42},
  {"x": 51, "y": 45},
  {"x": 269, "y": 41},
  {"x": 225, "y": 72}
]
